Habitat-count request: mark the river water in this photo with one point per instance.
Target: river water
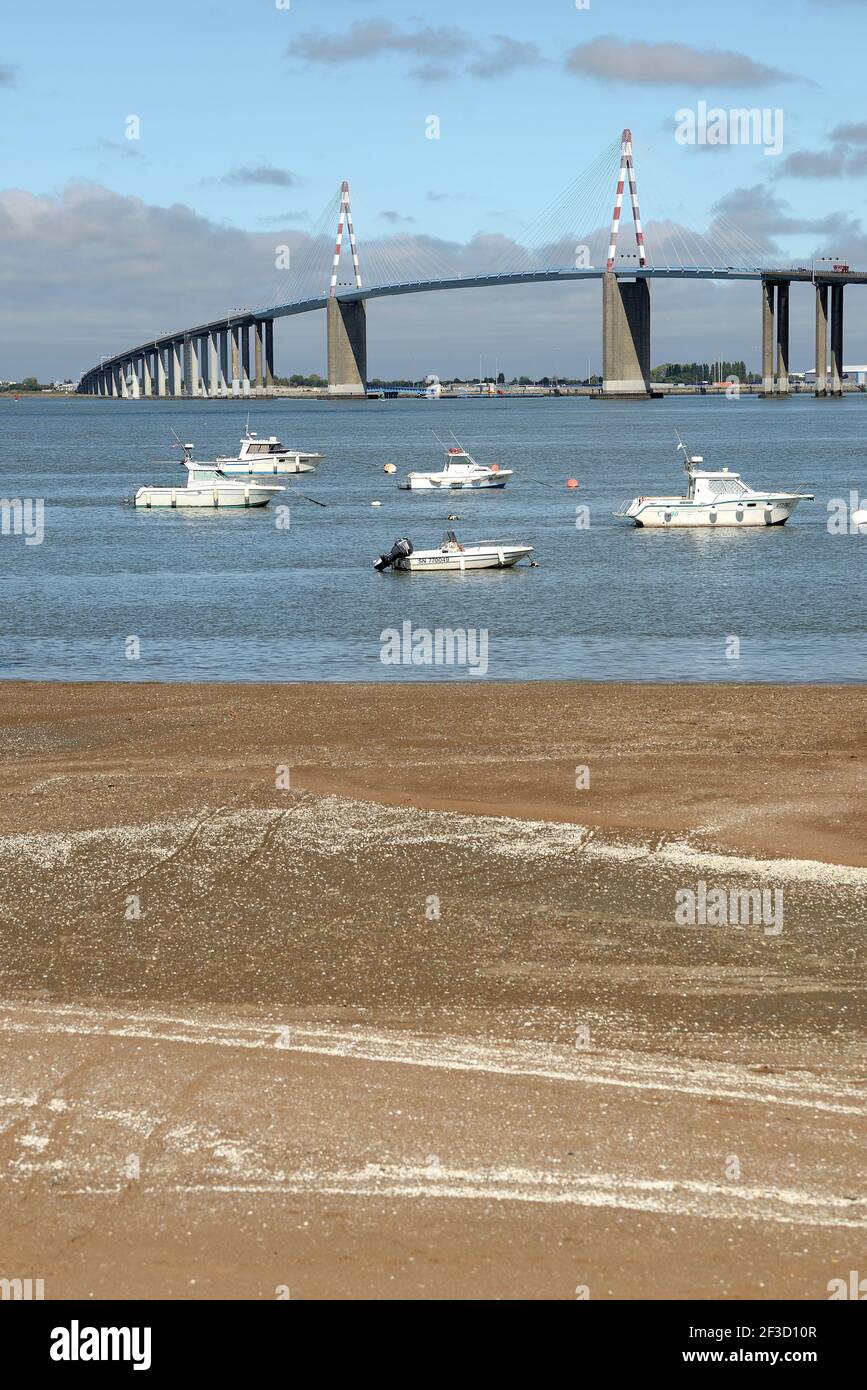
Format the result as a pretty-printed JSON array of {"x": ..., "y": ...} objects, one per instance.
[{"x": 233, "y": 596}]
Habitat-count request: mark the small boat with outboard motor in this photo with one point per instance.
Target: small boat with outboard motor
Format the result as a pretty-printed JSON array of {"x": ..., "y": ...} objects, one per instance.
[
  {"x": 459, "y": 472},
  {"x": 258, "y": 456},
  {"x": 715, "y": 497},
  {"x": 453, "y": 555}
]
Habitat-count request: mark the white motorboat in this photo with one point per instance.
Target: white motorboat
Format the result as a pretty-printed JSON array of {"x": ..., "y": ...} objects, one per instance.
[
  {"x": 258, "y": 456},
  {"x": 452, "y": 555},
  {"x": 715, "y": 497},
  {"x": 459, "y": 472},
  {"x": 208, "y": 486}
]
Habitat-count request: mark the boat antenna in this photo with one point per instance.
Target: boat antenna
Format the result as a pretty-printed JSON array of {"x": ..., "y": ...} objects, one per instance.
[{"x": 681, "y": 447}]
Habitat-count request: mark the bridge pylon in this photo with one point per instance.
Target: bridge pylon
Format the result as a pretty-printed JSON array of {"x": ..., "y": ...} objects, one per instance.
[
  {"x": 625, "y": 303},
  {"x": 346, "y": 317}
]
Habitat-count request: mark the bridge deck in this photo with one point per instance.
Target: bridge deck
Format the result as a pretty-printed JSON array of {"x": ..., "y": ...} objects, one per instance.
[{"x": 467, "y": 282}]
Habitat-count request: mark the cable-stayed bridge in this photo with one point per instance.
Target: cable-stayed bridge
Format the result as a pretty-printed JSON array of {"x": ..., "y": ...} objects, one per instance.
[{"x": 234, "y": 355}]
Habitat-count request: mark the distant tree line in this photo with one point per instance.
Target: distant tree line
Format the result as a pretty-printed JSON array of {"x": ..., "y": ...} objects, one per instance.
[
  {"x": 297, "y": 380},
  {"x": 669, "y": 373},
  {"x": 695, "y": 373},
  {"x": 29, "y": 383}
]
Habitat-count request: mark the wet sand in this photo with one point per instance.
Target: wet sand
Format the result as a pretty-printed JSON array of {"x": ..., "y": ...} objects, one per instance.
[{"x": 422, "y": 1023}]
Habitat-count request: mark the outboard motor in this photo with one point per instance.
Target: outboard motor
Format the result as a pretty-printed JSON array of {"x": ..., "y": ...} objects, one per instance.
[{"x": 399, "y": 551}]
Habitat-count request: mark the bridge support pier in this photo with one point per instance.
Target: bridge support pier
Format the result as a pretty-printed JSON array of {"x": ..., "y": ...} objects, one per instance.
[
  {"x": 223, "y": 362},
  {"x": 235, "y": 348},
  {"x": 245, "y": 359},
  {"x": 821, "y": 340},
  {"x": 768, "y": 295},
  {"x": 160, "y": 364},
  {"x": 347, "y": 347},
  {"x": 146, "y": 375},
  {"x": 214, "y": 363},
  {"x": 269, "y": 357},
  {"x": 176, "y": 380},
  {"x": 625, "y": 339},
  {"x": 258, "y": 335},
  {"x": 836, "y": 340},
  {"x": 190, "y": 375},
  {"x": 783, "y": 338}
]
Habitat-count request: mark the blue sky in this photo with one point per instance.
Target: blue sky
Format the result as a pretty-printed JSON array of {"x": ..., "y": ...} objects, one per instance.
[{"x": 251, "y": 114}]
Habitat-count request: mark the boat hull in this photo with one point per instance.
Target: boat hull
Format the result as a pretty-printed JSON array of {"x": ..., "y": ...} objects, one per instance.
[
  {"x": 434, "y": 484},
  {"x": 215, "y": 498},
  {"x": 272, "y": 468},
  {"x": 493, "y": 557},
  {"x": 668, "y": 516}
]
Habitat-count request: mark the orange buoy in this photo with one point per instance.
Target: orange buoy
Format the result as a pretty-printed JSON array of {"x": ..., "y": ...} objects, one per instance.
[{"x": 572, "y": 482}]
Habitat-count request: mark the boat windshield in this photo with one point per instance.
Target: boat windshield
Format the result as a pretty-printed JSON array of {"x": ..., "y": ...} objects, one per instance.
[{"x": 726, "y": 487}]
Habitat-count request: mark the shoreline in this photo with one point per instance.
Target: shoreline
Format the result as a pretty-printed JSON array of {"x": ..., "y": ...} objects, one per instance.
[{"x": 706, "y": 760}]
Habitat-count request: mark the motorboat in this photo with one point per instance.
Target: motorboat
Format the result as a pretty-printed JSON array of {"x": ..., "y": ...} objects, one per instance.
[
  {"x": 208, "y": 486},
  {"x": 452, "y": 555},
  {"x": 715, "y": 497},
  {"x": 459, "y": 472},
  {"x": 258, "y": 456}
]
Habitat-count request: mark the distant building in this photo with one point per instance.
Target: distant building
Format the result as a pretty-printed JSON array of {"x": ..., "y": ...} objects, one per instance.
[{"x": 856, "y": 375}]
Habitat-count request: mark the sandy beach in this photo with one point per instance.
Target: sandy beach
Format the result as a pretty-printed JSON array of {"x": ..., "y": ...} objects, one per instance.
[{"x": 379, "y": 992}]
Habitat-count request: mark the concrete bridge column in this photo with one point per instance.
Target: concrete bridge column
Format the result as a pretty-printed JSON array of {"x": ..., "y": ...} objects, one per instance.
[
  {"x": 126, "y": 377},
  {"x": 783, "y": 338},
  {"x": 160, "y": 362},
  {"x": 189, "y": 367},
  {"x": 223, "y": 362},
  {"x": 146, "y": 374},
  {"x": 836, "y": 340},
  {"x": 347, "y": 347},
  {"x": 213, "y": 362},
  {"x": 260, "y": 380},
  {"x": 200, "y": 362},
  {"x": 768, "y": 298},
  {"x": 625, "y": 338},
  {"x": 821, "y": 340},
  {"x": 176, "y": 366},
  {"x": 235, "y": 339},
  {"x": 269, "y": 357},
  {"x": 245, "y": 358}
]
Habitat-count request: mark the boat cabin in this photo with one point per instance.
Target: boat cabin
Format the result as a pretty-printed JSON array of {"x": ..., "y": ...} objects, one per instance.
[
  {"x": 254, "y": 448},
  {"x": 710, "y": 485}
]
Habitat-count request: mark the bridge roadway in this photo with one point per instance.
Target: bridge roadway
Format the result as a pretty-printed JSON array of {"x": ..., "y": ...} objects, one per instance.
[{"x": 214, "y": 358}]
